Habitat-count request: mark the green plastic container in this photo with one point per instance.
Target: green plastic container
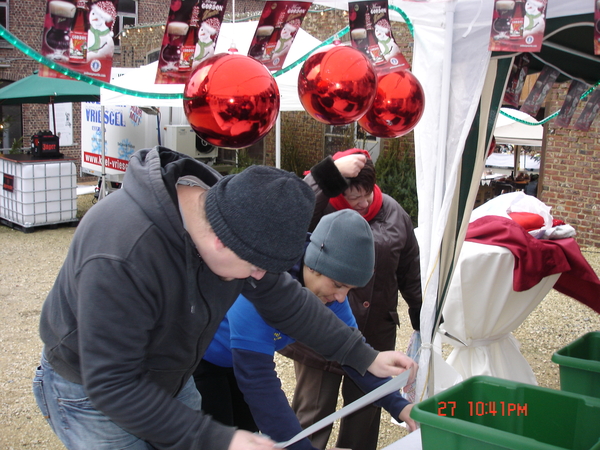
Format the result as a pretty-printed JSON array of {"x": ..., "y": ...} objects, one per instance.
[
  {"x": 579, "y": 365},
  {"x": 526, "y": 417}
]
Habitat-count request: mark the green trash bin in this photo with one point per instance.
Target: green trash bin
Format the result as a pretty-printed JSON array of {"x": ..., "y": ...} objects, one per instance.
[
  {"x": 579, "y": 365},
  {"x": 486, "y": 413}
]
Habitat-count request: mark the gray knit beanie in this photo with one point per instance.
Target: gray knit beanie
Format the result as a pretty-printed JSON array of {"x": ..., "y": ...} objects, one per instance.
[
  {"x": 262, "y": 214},
  {"x": 341, "y": 248}
]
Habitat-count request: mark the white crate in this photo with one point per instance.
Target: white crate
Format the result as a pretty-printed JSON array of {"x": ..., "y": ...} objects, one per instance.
[{"x": 43, "y": 192}]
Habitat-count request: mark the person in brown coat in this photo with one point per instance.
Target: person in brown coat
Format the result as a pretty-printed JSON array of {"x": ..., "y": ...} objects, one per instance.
[{"x": 347, "y": 180}]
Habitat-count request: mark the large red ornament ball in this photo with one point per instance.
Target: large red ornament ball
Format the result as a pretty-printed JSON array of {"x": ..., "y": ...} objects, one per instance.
[
  {"x": 231, "y": 100},
  {"x": 337, "y": 86},
  {"x": 398, "y": 106}
]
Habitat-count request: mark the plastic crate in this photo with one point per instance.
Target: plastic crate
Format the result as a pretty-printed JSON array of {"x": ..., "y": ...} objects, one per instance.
[
  {"x": 526, "y": 417},
  {"x": 579, "y": 365}
]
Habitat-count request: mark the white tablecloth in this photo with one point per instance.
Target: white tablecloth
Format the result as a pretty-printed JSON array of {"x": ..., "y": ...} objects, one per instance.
[{"x": 482, "y": 310}]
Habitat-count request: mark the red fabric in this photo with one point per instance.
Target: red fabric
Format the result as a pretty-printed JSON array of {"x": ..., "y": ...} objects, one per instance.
[
  {"x": 340, "y": 202},
  {"x": 529, "y": 221},
  {"x": 538, "y": 258}
]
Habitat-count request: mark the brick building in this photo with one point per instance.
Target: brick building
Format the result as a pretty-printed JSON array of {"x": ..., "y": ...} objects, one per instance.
[{"x": 571, "y": 172}]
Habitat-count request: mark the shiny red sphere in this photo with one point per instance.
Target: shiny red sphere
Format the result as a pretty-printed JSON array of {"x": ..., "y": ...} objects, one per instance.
[
  {"x": 231, "y": 100},
  {"x": 398, "y": 106},
  {"x": 337, "y": 86}
]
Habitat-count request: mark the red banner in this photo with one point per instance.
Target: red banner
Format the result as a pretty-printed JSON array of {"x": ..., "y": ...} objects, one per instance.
[
  {"x": 371, "y": 33},
  {"x": 518, "y": 25},
  {"x": 597, "y": 27},
  {"x": 519, "y": 70},
  {"x": 78, "y": 34},
  {"x": 277, "y": 27},
  {"x": 540, "y": 90},
  {"x": 190, "y": 37},
  {"x": 589, "y": 113}
]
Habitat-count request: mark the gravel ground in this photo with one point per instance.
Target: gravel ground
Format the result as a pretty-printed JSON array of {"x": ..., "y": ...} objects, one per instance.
[{"x": 30, "y": 262}]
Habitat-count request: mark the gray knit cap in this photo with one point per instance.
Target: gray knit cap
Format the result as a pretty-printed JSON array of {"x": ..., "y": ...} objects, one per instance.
[
  {"x": 262, "y": 214},
  {"x": 341, "y": 248}
]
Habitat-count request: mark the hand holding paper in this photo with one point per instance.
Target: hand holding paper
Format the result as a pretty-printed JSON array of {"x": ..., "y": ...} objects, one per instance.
[{"x": 392, "y": 363}]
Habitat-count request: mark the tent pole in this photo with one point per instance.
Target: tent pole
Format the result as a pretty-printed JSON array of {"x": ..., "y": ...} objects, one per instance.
[
  {"x": 278, "y": 141},
  {"x": 103, "y": 189}
]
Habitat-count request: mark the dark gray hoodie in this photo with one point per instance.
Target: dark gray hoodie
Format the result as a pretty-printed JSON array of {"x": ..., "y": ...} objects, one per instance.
[{"x": 134, "y": 308}]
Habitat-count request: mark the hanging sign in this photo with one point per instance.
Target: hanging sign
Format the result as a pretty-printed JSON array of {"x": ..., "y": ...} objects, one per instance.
[
  {"x": 597, "y": 27},
  {"x": 516, "y": 80},
  {"x": 589, "y": 113},
  {"x": 371, "y": 33},
  {"x": 190, "y": 37},
  {"x": 540, "y": 90},
  {"x": 78, "y": 34},
  {"x": 569, "y": 106},
  {"x": 518, "y": 25},
  {"x": 276, "y": 30}
]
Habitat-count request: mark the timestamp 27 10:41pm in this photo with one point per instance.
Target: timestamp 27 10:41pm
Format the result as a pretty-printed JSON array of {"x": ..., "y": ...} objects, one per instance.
[{"x": 493, "y": 408}]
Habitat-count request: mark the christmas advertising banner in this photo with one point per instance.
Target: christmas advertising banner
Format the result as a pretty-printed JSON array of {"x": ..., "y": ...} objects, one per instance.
[
  {"x": 371, "y": 33},
  {"x": 275, "y": 32},
  {"x": 190, "y": 37},
  {"x": 516, "y": 81},
  {"x": 569, "y": 106},
  {"x": 589, "y": 113},
  {"x": 597, "y": 27},
  {"x": 540, "y": 90},
  {"x": 78, "y": 35},
  {"x": 518, "y": 25}
]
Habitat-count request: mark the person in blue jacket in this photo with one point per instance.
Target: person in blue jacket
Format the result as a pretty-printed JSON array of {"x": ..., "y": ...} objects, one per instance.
[{"x": 237, "y": 378}]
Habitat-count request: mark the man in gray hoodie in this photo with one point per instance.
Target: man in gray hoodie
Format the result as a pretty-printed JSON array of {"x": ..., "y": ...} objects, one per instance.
[{"x": 151, "y": 272}]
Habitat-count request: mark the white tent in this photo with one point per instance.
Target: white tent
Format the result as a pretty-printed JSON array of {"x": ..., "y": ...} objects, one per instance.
[{"x": 518, "y": 132}]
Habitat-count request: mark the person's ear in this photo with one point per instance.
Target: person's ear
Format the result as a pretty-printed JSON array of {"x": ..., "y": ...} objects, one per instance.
[{"x": 218, "y": 244}]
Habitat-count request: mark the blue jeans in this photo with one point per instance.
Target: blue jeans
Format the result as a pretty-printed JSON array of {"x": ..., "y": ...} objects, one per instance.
[{"x": 77, "y": 423}]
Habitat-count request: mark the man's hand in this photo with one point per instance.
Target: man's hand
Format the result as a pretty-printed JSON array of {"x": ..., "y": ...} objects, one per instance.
[
  {"x": 244, "y": 440},
  {"x": 392, "y": 363},
  {"x": 349, "y": 166},
  {"x": 405, "y": 417}
]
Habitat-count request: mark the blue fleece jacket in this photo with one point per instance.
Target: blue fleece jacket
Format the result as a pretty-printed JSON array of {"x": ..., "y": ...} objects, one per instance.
[{"x": 247, "y": 343}]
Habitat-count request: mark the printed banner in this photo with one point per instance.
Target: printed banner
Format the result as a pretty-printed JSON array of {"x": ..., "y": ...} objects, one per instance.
[
  {"x": 127, "y": 129},
  {"x": 569, "y": 106},
  {"x": 275, "y": 32},
  {"x": 597, "y": 27},
  {"x": 371, "y": 33},
  {"x": 518, "y": 25},
  {"x": 589, "y": 113},
  {"x": 540, "y": 90},
  {"x": 78, "y": 34},
  {"x": 519, "y": 70},
  {"x": 190, "y": 37}
]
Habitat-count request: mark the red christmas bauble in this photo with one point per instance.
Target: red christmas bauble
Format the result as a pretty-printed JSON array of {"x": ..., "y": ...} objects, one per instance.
[
  {"x": 398, "y": 106},
  {"x": 231, "y": 100},
  {"x": 337, "y": 86}
]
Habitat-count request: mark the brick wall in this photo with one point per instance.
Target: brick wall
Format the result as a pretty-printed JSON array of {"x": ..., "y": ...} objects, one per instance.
[{"x": 571, "y": 172}]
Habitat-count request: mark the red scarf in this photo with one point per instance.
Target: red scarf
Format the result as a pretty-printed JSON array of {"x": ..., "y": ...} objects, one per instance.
[{"x": 340, "y": 201}]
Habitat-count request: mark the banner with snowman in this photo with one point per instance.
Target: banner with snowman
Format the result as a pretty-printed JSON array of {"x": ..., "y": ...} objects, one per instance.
[{"x": 79, "y": 34}]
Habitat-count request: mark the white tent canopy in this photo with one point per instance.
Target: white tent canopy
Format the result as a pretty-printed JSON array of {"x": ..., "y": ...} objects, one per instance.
[{"x": 509, "y": 131}]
